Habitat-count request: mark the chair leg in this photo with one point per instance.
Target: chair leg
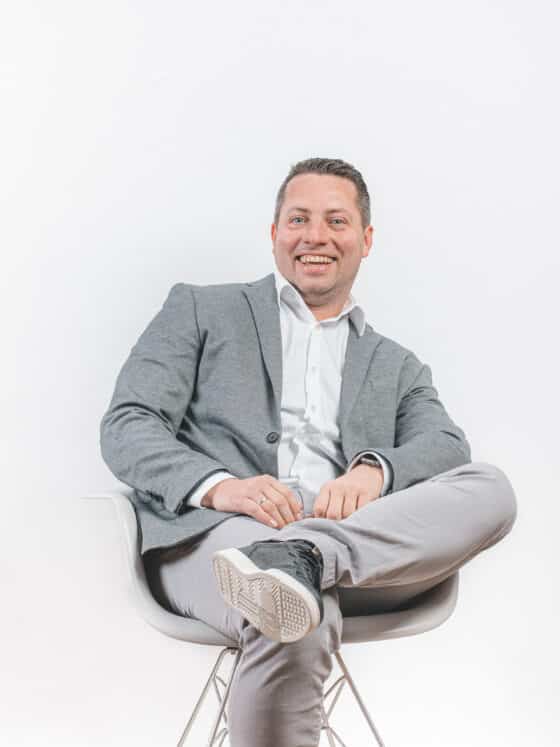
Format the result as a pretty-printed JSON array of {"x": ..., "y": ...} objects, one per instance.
[
  {"x": 221, "y": 712},
  {"x": 217, "y": 738},
  {"x": 326, "y": 727},
  {"x": 347, "y": 678},
  {"x": 212, "y": 680}
]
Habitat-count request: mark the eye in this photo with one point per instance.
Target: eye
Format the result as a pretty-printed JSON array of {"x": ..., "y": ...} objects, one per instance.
[
  {"x": 296, "y": 217},
  {"x": 339, "y": 219}
]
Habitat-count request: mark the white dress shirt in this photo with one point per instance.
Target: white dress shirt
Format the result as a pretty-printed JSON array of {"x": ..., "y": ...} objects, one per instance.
[{"x": 313, "y": 354}]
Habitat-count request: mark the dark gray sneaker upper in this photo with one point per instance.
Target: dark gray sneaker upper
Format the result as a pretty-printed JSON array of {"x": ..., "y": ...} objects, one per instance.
[{"x": 298, "y": 557}]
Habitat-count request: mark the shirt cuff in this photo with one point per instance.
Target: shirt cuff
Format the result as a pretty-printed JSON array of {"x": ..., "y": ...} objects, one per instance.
[
  {"x": 197, "y": 495},
  {"x": 385, "y": 466}
]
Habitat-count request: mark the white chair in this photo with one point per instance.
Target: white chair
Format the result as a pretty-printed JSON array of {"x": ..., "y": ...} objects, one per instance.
[{"x": 428, "y": 610}]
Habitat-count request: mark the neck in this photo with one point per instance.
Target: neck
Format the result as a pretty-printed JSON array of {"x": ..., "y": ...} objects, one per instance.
[{"x": 325, "y": 312}]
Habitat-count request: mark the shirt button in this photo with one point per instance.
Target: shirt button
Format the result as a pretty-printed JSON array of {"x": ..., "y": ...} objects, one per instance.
[{"x": 272, "y": 437}]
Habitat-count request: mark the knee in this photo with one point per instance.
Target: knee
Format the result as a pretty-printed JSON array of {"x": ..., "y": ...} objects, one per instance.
[
  {"x": 313, "y": 650},
  {"x": 301, "y": 654},
  {"x": 269, "y": 668},
  {"x": 308, "y": 657},
  {"x": 501, "y": 493}
]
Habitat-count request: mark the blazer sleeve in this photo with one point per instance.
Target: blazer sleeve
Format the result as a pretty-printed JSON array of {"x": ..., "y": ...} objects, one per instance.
[
  {"x": 152, "y": 393},
  {"x": 427, "y": 441}
]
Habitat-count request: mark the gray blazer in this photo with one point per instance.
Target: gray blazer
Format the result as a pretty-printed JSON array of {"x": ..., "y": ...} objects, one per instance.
[{"x": 201, "y": 392}]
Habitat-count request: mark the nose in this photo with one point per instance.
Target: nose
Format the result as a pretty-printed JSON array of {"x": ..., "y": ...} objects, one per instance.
[{"x": 315, "y": 232}]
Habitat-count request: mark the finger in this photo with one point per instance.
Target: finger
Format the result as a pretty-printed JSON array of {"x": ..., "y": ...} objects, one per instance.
[
  {"x": 269, "y": 507},
  {"x": 281, "y": 495},
  {"x": 252, "y": 508},
  {"x": 285, "y": 500},
  {"x": 321, "y": 502},
  {"x": 350, "y": 503},
  {"x": 266, "y": 505},
  {"x": 363, "y": 500},
  {"x": 336, "y": 501},
  {"x": 269, "y": 504},
  {"x": 290, "y": 497}
]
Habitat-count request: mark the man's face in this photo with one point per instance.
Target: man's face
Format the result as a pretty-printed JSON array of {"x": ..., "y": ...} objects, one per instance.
[{"x": 320, "y": 217}]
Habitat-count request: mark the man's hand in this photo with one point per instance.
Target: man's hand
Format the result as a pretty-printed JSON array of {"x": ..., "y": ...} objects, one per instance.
[
  {"x": 279, "y": 508},
  {"x": 341, "y": 497}
]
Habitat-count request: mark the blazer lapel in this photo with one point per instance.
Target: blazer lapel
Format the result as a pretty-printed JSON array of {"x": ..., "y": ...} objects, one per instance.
[
  {"x": 263, "y": 301},
  {"x": 359, "y": 351}
]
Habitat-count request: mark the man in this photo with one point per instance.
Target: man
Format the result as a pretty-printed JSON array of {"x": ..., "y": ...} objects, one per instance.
[{"x": 282, "y": 451}]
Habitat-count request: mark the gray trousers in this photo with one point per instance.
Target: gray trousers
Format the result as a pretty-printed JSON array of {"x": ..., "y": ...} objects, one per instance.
[{"x": 397, "y": 546}]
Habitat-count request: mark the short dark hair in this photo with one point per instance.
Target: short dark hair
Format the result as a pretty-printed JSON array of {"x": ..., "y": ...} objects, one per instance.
[{"x": 336, "y": 167}]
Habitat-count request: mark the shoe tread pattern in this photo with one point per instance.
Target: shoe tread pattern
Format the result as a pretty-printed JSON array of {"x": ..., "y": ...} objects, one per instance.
[{"x": 268, "y": 604}]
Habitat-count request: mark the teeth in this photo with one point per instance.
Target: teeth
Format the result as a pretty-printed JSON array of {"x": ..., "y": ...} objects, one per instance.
[{"x": 318, "y": 259}]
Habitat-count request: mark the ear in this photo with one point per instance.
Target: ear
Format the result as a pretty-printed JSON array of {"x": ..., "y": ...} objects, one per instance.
[
  {"x": 368, "y": 240},
  {"x": 273, "y": 232}
]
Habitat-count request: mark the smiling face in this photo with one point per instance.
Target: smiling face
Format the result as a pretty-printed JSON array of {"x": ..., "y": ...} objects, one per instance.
[{"x": 320, "y": 218}]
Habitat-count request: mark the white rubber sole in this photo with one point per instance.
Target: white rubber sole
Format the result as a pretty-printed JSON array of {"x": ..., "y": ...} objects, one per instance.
[{"x": 273, "y": 601}]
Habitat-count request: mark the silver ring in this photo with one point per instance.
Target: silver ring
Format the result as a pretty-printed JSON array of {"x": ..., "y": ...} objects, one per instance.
[{"x": 262, "y": 499}]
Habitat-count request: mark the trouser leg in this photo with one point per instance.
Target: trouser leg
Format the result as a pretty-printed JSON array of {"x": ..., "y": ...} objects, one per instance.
[
  {"x": 278, "y": 688},
  {"x": 276, "y": 694},
  {"x": 398, "y": 545},
  {"x": 415, "y": 537}
]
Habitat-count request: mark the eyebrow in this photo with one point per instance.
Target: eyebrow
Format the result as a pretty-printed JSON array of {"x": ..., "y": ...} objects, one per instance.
[{"x": 330, "y": 210}]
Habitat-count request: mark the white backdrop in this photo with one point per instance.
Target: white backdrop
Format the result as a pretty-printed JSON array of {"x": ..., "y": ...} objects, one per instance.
[{"x": 142, "y": 145}]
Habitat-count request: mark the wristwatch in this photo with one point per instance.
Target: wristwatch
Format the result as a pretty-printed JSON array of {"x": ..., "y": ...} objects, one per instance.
[{"x": 371, "y": 460}]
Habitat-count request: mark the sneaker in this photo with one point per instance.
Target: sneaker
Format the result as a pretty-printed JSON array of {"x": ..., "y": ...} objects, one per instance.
[{"x": 275, "y": 585}]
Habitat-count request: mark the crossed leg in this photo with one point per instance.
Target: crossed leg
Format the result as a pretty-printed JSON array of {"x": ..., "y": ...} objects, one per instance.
[
  {"x": 397, "y": 546},
  {"x": 419, "y": 535},
  {"x": 275, "y": 695}
]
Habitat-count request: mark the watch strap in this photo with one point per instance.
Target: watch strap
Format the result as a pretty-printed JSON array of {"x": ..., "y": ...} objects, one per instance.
[{"x": 371, "y": 460}]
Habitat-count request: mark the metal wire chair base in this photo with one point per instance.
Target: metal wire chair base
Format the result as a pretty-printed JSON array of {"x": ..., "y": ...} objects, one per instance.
[{"x": 218, "y": 735}]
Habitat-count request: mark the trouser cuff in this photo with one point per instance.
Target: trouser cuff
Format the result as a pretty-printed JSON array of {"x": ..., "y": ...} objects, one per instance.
[{"x": 326, "y": 546}]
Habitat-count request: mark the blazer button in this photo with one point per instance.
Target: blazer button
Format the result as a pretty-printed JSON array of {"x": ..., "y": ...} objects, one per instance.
[{"x": 272, "y": 437}]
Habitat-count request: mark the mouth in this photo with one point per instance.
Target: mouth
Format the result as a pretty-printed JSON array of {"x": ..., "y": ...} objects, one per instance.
[{"x": 315, "y": 268}]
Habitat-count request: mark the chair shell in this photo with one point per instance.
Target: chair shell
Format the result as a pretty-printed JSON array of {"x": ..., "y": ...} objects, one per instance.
[{"x": 429, "y": 610}]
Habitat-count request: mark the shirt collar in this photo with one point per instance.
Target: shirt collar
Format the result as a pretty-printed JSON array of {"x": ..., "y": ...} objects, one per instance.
[{"x": 293, "y": 298}]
